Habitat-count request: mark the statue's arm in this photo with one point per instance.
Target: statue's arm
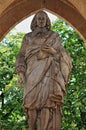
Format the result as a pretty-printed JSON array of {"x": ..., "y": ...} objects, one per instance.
[{"x": 20, "y": 65}]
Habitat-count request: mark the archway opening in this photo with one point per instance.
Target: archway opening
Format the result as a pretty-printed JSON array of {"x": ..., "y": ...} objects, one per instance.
[{"x": 11, "y": 96}]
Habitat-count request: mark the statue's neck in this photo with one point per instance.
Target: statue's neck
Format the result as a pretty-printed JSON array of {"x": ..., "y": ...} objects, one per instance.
[{"x": 40, "y": 31}]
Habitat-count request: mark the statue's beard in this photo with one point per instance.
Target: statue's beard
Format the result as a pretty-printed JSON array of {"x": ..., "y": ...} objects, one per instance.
[{"x": 40, "y": 31}]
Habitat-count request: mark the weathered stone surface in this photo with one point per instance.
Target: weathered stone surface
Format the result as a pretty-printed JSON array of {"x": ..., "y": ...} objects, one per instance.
[{"x": 44, "y": 65}]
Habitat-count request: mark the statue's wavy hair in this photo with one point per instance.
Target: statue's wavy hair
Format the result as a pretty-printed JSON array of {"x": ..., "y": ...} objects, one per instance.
[{"x": 34, "y": 21}]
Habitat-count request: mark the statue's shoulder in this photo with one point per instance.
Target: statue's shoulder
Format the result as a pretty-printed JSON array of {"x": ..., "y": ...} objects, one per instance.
[
  {"x": 54, "y": 33},
  {"x": 27, "y": 35},
  {"x": 26, "y": 38}
]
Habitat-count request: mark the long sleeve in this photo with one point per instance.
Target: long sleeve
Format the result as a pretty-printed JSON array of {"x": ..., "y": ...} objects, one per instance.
[{"x": 20, "y": 65}]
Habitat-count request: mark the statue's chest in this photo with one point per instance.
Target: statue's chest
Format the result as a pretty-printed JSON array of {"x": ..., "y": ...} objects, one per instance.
[
  {"x": 37, "y": 40},
  {"x": 35, "y": 43}
]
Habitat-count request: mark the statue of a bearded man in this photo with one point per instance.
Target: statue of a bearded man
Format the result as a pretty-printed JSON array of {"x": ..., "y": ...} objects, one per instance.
[{"x": 44, "y": 65}]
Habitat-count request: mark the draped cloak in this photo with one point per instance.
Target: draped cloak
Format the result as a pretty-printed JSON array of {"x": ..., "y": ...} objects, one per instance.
[{"x": 46, "y": 74}]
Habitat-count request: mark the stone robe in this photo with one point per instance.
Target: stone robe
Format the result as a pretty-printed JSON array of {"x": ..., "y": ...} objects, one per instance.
[{"x": 46, "y": 72}]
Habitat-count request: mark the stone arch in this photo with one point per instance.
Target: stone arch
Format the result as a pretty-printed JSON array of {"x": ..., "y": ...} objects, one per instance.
[{"x": 20, "y": 9}]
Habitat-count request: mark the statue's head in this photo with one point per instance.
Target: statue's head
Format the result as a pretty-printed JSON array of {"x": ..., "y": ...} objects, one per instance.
[{"x": 41, "y": 20}]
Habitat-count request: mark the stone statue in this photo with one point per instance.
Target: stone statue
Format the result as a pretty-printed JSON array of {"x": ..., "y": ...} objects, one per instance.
[{"x": 44, "y": 65}]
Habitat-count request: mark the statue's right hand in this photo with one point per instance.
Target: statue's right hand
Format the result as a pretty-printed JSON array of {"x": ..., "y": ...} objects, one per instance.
[
  {"x": 49, "y": 49},
  {"x": 21, "y": 78}
]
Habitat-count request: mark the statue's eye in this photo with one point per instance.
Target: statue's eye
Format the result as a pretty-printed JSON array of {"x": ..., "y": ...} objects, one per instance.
[{"x": 40, "y": 18}]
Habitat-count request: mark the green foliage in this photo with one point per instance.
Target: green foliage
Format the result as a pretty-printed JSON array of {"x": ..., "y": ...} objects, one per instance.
[
  {"x": 74, "y": 109},
  {"x": 11, "y": 114}
]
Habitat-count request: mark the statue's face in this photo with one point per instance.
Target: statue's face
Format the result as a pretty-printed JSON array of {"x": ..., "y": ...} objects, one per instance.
[{"x": 41, "y": 20}]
